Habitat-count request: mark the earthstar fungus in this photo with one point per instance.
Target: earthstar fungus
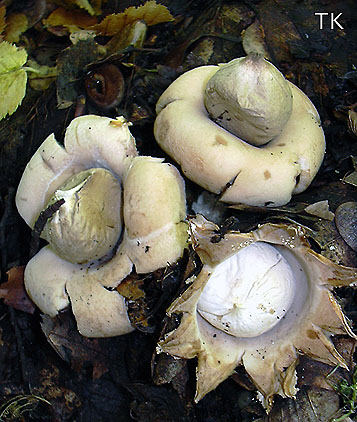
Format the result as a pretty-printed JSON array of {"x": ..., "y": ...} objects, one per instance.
[
  {"x": 241, "y": 130},
  {"x": 261, "y": 299},
  {"x": 120, "y": 211}
]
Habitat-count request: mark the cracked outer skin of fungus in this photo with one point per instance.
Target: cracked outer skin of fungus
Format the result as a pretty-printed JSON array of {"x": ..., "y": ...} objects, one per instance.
[
  {"x": 260, "y": 309},
  {"x": 241, "y": 130},
  {"x": 120, "y": 211}
]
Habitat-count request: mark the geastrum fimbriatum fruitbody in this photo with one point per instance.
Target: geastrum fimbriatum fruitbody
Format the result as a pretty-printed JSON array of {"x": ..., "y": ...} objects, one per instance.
[
  {"x": 241, "y": 130},
  {"x": 118, "y": 210},
  {"x": 261, "y": 299}
]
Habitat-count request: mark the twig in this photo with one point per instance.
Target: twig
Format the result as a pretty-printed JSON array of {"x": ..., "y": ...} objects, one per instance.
[{"x": 40, "y": 224}]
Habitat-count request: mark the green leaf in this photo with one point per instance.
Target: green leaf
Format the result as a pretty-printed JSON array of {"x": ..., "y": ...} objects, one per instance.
[
  {"x": 11, "y": 57},
  {"x": 13, "y": 77}
]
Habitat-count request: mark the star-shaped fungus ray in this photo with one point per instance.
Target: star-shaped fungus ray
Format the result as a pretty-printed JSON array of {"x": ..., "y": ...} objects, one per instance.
[{"x": 261, "y": 299}]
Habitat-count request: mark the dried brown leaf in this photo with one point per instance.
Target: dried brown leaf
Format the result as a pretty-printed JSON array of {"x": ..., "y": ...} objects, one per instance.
[
  {"x": 93, "y": 7},
  {"x": 313, "y": 405},
  {"x": 271, "y": 17},
  {"x": 131, "y": 288},
  {"x": 16, "y": 24},
  {"x": 312, "y": 373},
  {"x": 253, "y": 40},
  {"x": 352, "y": 121},
  {"x": 64, "y": 337},
  {"x": 351, "y": 178},
  {"x": 151, "y": 12},
  {"x": 64, "y": 402},
  {"x": 72, "y": 20},
  {"x": 320, "y": 209},
  {"x": 317, "y": 74},
  {"x": 2, "y": 19},
  {"x": 13, "y": 291},
  {"x": 133, "y": 34}
]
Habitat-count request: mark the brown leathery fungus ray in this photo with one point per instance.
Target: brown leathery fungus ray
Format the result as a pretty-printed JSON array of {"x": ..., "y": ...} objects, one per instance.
[
  {"x": 120, "y": 211},
  {"x": 241, "y": 130},
  {"x": 261, "y": 299}
]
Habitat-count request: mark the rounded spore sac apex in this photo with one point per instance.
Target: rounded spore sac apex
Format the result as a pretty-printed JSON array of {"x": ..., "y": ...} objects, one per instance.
[{"x": 250, "y": 98}]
